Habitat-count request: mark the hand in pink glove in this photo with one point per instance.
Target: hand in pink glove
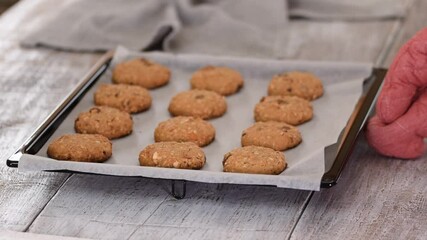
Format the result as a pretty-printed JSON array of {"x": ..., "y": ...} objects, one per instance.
[{"x": 400, "y": 125}]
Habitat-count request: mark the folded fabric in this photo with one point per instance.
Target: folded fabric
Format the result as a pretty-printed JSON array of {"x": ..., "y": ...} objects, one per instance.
[
  {"x": 248, "y": 28},
  {"x": 217, "y": 27},
  {"x": 235, "y": 28},
  {"x": 347, "y": 9},
  {"x": 91, "y": 25}
]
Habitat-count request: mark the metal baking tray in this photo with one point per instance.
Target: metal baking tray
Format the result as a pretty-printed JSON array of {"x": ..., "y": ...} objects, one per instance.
[{"x": 336, "y": 155}]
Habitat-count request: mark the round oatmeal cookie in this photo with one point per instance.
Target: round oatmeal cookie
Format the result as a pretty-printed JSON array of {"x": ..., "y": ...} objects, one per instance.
[
  {"x": 254, "y": 159},
  {"x": 142, "y": 72},
  {"x": 222, "y": 80},
  {"x": 185, "y": 129},
  {"x": 301, "y": 84},
  {"x": 128, "y": 98},
  {"x": 198, "y": 103},
  {"x": 276, "y": 135},
  {"x": 288, "y": 109},
  {"x": 80, "y": 148},
  {"x": 185, "y": 155},
  {"x": 107, "y": 121}
]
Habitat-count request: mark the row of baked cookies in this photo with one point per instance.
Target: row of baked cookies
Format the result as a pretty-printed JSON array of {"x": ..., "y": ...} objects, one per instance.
[
  {"x": 287, "y": 106},
  {"x": 111, "y": 118},
  {"x": 179, "y": 139},
  {"x": 113, "y": 123},
  {"x": 277, "y": 116},
  {"x": 262, "y": 141},
  {"x": 207, "y": 103}
]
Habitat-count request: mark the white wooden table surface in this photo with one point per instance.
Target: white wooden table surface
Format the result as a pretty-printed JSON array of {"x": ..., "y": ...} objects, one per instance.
[{"x": 376, "y": 198}]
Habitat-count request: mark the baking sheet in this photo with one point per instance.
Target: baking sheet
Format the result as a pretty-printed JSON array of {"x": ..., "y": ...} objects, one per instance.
[{"x": 306, "y": 164}]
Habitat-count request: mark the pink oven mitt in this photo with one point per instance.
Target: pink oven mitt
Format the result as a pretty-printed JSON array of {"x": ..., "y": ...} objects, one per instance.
[{"x": 400, "y": 125}]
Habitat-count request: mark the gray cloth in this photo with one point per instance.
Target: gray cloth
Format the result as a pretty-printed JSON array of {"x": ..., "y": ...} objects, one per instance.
[
  {"x": 235, "y": 28},
  {"x": 238, "y": 28},
  {"x": 247, "y": 28},
  {"x": 92, "y": 25},
  {"x": 347, "y": 9}
]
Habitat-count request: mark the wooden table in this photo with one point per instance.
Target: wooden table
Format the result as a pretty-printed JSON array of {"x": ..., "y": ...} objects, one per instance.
[{"x": 376, "y": 198}]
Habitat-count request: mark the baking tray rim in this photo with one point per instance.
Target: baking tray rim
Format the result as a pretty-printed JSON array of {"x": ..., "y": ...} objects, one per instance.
[{"x": 336, "y": 154}]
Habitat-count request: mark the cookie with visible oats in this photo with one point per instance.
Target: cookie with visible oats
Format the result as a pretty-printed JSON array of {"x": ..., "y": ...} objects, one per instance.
[
  {"x": 254, "y": 159},
  {"x": 222, "y": 80},
  {"x": 276, "y": 135},
  {"x": 198, "y": 103},
  {"x": 301, "y": 84},
  {"x": 185, "y": 129},
  {"x": 80, "y": 148},
  {"x": 185, "y": 155},
  {"x": 107, "y": 121},
  {"x": 288, "y": 109},
  {"x": 128, "y": 98},
  {"x": 142, "y": 72}
]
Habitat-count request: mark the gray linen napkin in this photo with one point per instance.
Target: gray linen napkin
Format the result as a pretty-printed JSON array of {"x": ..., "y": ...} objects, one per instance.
[
  {"x": 218, "y": 27},
  {"x": 234, "y": 28},
  {"x": 347, "y": 9},
  {"x": 93, "y": 25},
  {"x": 248, "y": 28}
]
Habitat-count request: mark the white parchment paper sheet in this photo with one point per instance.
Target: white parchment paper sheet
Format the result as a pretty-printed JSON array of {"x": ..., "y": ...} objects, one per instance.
[{"x": 306, "y": 164}]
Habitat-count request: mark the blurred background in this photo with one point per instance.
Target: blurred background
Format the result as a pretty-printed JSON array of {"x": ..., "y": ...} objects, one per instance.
[{"x": 5, "y": 4}]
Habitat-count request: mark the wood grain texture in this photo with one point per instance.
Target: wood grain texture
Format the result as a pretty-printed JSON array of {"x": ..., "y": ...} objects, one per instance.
[
  {"x": 105, "y": 207},
  {"x": 376, "y": 198},
  {"x": 162, "y": 232},
  {"x": 7, "y": 235},
  {"x": 32, "y": 82},
  {"x": 101, "y": 207},
  {"x": 23, "y": 195}
]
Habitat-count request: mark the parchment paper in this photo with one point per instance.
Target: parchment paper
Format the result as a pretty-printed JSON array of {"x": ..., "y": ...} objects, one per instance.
[{"x": 306, "y": 164}]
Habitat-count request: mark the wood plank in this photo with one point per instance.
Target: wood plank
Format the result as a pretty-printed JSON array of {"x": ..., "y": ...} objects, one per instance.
[
  {"x": 31, "y": 84},
  {"x": 23, "y": 195},
  {"x": 161, "y": 232},
  {"x": 377, "y": 197},
  {"x": 114, "y": 207},
  {"x": 7, "y": 234}
]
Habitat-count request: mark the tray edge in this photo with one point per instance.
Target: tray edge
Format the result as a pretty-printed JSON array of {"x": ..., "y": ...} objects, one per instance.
[
  {"x": 357, "y": 120},
  {"x": 94, "y": 72}
]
